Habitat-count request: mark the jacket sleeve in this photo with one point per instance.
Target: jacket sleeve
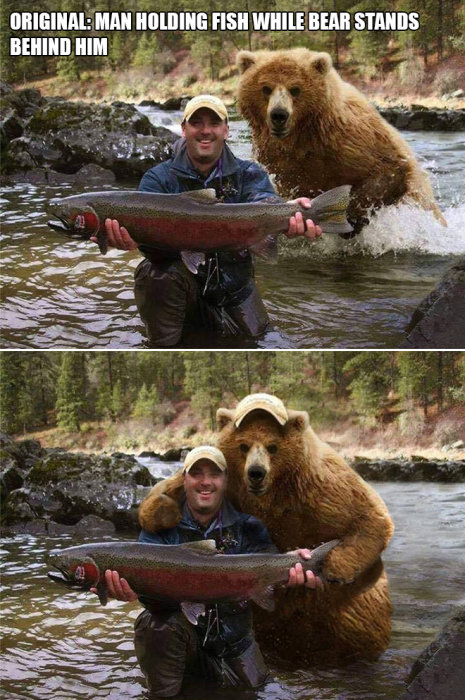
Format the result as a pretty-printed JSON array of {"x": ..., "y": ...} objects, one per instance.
[
  {"x": 155, "y": 180},
  {"x": 256, "y": 186},
  {"x": 256, "y": 537}
]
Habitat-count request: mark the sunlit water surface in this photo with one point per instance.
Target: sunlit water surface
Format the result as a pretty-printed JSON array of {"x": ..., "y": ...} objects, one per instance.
[
  {"x": 60, "y": 645},
  {"x": 330, "y": 294}
]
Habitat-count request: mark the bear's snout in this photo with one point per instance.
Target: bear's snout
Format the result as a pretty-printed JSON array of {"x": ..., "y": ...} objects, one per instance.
[
  {"x": 257, "y": 470},
  {"x": 280, "y": 110},
  {"x": 256, "y": 474}
]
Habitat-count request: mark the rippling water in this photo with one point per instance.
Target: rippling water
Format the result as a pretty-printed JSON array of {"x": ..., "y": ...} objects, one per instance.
[
  {"x": 61, "y": 293},
  {"x": 63, "y": 645}
]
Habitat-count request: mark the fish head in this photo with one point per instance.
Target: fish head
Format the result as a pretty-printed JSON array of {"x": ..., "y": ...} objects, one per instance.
[
  {"x": 74, "y": 217},
  {"x": 73, "y": 569}
]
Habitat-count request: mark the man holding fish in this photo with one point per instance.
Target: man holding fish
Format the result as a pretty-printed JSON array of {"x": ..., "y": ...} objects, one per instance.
[
  {"x": 217, "y": 291},
  {"x": 217, "y": 641}
]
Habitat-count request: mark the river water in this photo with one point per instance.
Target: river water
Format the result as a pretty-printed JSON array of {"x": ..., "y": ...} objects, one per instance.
[
  {"x": 60, "y": 645},
  {"x": 331, "y": 294}
]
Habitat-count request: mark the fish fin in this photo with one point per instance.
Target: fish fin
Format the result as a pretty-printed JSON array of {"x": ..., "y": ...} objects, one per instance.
[
  {"x": 267, "y": 249},
  {"x": 192, "y": 260},
  {"x": 264, "y": 597},
  {"x": 102, "y": 242},
  {"x": 192, "y": 611},
  {"x": 207, "y": 196},
  {"x": 329, "y": 210},
  {"x": 102, "y": 593},
  {"x": 207, "y": 547}
]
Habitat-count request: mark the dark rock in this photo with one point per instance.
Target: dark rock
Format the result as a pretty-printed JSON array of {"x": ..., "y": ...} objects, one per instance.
[
  {"x": 149, "y": 103},
  {"x": 445, "y": 471},
  {"x": 148, "y": 453},
  {"x": 171, "y": 455},
  {"x": 92, "y": 524},
  {"x": 439, "y": 321},
  {"x": 65, "y": 487},
  {"x": 420, "y": 118},
  {"x": 30, "y": 527},
  {"x": 439, "y": 671},
  {"x": 64, "y": 136},
  {"x": 11, "y": 478}
]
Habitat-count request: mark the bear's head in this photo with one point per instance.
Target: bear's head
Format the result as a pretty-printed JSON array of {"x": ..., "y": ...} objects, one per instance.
[
  {"x": 262, "y": 455},
  {"x": 284, "y": 89}
]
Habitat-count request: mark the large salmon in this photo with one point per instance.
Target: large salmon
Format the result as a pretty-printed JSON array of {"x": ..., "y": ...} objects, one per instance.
[
  {"x": 193, "y": 572},
  {"x": 194, "y": 221}
]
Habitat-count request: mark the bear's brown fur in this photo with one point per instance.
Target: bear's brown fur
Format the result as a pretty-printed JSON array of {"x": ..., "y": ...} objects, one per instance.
[
  {"x": 310, "y": 495},
  {"x": 314, "y": 132}
]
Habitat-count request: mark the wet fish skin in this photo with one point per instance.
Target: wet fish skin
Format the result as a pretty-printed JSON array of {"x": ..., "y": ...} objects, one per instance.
[
  {"x": 194, "y": 221},
  {"x": 194, "y": 571}
]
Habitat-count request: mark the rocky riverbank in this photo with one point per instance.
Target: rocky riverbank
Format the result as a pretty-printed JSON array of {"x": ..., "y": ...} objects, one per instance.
[
  {"x": 52, "y": 491},
  {"x": 439, "y": 320},
  {"x": 439, "y": 671},
  {"x": 52, "y": 140}
]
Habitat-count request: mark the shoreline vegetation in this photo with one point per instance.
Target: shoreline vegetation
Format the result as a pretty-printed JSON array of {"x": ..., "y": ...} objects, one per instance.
[
  {"x": 376, "y": 404},
  {"x": 141, "y": 84}
]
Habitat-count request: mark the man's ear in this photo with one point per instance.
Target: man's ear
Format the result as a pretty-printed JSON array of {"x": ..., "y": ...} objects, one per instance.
[
  {"x": 298, "y": 420},
  {"x": 224, "y": 416}
]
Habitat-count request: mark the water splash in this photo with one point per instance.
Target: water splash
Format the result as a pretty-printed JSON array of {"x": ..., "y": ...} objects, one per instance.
[{"x": 398, "y": 228}]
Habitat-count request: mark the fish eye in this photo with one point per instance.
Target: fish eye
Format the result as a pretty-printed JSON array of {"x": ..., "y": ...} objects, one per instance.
[
  {"x": 295, "y": 91},
  {"x": 243, "y": 447},
  {"x": 267, "y": 90},
  {"x": 272, "y": 449}
]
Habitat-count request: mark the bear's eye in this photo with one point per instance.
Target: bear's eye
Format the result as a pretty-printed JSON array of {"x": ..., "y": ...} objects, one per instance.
[
  {"x": 272, "y": 449},
  {"x": 243, "y": 447},
  {"x": 267, "y": 90},
  {"x": 295, "y": 91}
]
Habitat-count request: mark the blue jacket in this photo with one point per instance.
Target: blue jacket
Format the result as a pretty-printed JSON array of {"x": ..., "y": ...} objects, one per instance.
[
  {"x": 233, "y": 179},
  {"x": 234, "y": 533}
]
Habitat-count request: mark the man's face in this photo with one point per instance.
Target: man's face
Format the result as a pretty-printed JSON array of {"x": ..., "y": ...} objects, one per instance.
[
  {"x": 205, "y": 486},
  {"x": 205, "y": 134}
]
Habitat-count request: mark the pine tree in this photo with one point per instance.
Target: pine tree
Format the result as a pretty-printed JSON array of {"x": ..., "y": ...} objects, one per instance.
[{"x": 71, "y": 391}]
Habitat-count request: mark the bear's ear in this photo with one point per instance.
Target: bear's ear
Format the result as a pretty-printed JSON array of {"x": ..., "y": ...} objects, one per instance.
[
  {"x": 298, "y": 420},
  {"x": 224, "y": 416},
  {"x": 244, "y": 60},
  {"x": 322, "y": 63}
]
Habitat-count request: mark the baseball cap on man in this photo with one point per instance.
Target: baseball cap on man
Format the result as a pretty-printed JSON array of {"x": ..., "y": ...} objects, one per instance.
[
  {"x": 208, "y": 101},
  {"x": 205, "y": 452},
  {"x": 265, "y": 402}
]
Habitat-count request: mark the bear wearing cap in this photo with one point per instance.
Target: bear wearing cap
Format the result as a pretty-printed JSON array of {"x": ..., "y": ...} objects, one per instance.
[{"x": 305, "y": 494}]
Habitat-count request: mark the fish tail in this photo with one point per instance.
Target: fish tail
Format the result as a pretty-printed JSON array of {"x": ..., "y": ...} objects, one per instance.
[{"x": 329, "y": 210}]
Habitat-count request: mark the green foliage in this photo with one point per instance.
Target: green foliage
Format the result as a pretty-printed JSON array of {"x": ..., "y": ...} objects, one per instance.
[
  {"x": 370, "y": 383},
  {"x": 77, "y": 388},
  {"x": 146, "y": 404},
  {"x": 71, "y": 391},
  {"x": 442, "y": 28}
]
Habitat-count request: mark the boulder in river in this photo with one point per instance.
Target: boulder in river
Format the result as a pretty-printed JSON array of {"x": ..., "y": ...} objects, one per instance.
[
  {"x": 55, "y": 135},
  {"x": 439, "y": 321},
  {"x": 55, "y": 485},
  {"x": 439, "y": 671}
]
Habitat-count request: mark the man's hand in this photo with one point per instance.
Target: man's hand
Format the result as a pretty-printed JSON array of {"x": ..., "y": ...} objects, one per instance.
[
  {"x": 297, "y": 224},
  {"x": 117, "y": 236},
  {"x": 298, "y": 577},
  {"x": 118, "y": 587}
]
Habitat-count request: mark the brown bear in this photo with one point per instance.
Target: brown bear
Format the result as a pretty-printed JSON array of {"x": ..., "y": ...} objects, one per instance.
[
  {"x": 281, "y": 472},
  {"x": 314, "y": 131}
]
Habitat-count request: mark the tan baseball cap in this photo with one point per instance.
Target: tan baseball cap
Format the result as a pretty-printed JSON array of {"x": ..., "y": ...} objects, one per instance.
[
  {"x": 205, "y": 452},
  {"x": 208, "y": 101},
  {"x": 265, "y": 402}
]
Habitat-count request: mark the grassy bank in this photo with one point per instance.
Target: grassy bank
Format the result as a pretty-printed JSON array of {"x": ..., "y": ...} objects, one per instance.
[
  {"x": 413, "y": 85},
  {"x": 413, "y": 436}
]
